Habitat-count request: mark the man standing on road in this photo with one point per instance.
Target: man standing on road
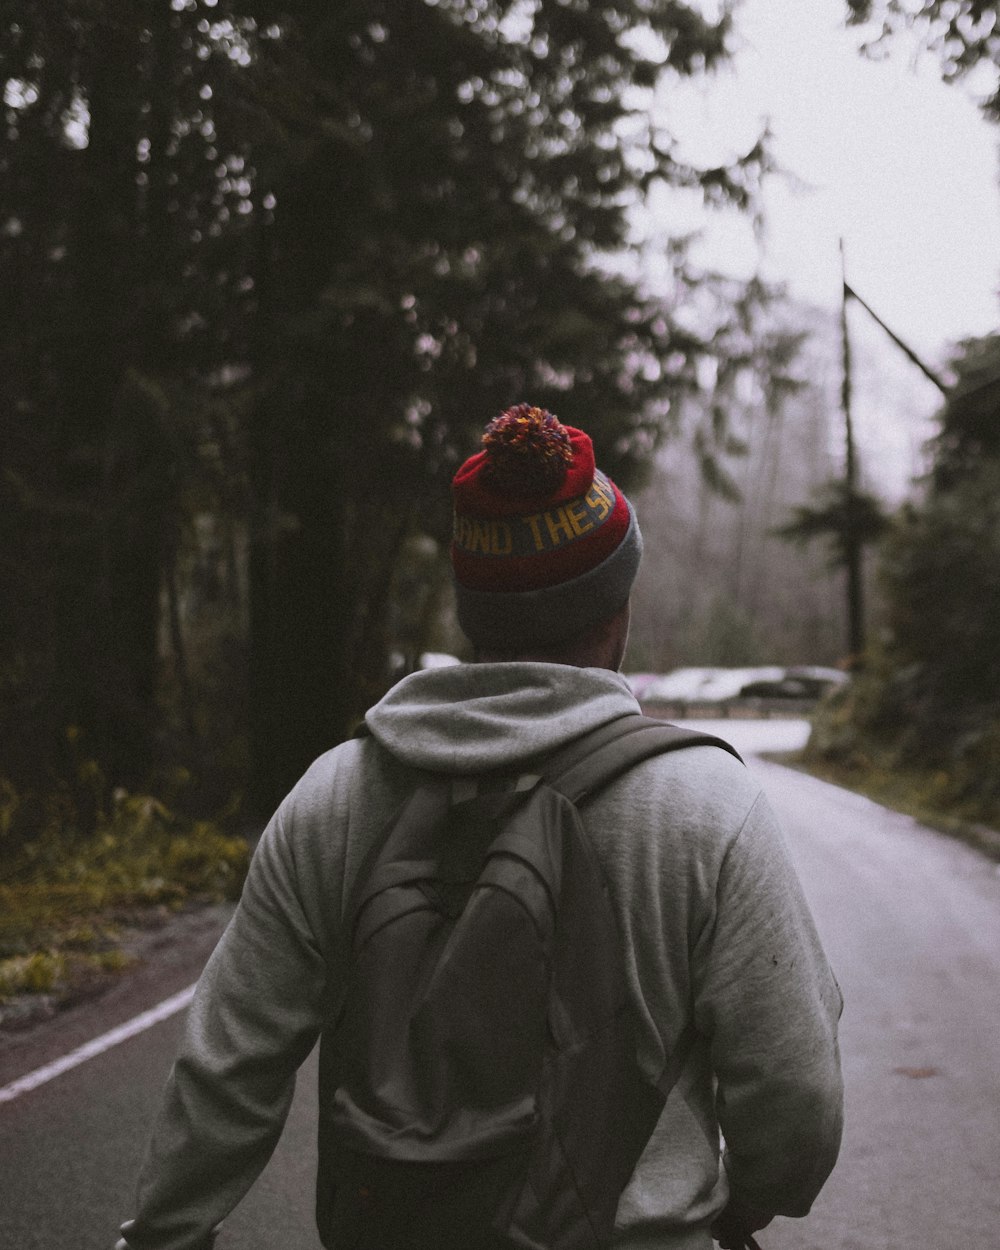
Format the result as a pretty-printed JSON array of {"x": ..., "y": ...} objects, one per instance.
[{"x": 730, "y": 989}]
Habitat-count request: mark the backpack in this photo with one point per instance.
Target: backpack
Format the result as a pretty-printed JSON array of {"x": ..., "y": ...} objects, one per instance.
[{"x": 479, "y": 1086}]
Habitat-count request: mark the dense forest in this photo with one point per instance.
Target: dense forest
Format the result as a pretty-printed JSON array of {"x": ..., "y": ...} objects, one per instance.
[{"x": 267, "y": 271}]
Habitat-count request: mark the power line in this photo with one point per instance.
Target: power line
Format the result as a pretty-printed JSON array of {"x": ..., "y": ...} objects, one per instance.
[{"x": 928, "y": 372}]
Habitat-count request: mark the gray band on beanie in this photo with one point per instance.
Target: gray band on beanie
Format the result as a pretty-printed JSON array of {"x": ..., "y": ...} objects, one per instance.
[{"x": 509, "y": 620}]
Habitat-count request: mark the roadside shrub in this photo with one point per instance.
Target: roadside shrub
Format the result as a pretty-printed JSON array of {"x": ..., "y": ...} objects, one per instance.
[
  {"x": 55, "y": 971},
  {"x": 63, "y": 890},
  {"x": 33, "y": 974},
  {"x": 927, "y": 700}
]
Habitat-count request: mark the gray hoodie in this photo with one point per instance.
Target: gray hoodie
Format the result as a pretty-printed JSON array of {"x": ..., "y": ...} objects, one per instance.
[{"x": 716, "y": 929}]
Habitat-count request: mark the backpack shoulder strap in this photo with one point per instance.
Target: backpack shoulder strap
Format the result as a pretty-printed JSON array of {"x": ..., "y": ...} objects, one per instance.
[
  {"x": 596, "y": 759},
  {"x": 593, "y": 761}
]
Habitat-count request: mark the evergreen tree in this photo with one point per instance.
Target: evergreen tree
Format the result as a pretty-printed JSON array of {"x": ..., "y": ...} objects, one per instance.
[
  {"x": 446, "y": 184},
  {"x": 962, "y": 34},
  {"x": 929, "y": 695},
  {"x": 283, "y": 262},
  {"x": 109, "y": 197}
]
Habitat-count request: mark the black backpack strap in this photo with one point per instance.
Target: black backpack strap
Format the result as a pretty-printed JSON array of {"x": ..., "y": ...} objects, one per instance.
[
  {"x": 594, "y": 761},
  {"x": 597, "y": 758}
]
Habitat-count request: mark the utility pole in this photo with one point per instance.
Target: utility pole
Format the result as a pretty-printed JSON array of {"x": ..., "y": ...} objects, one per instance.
[
  {"x": 851, "y": 537},
  {"x": 853, "y": 541}
]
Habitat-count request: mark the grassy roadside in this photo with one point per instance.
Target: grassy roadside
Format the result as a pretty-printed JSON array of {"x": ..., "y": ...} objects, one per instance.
[
  {"x": 70, "y": 904},
  {"x": 902, "y": 790}
]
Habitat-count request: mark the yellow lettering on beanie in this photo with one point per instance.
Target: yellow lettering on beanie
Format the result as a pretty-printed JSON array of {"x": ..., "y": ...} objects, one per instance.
[
  {"x": 536, "y": 531},
  {"x": 540, "y": 532},
  {"x": 490, "y": 538},
  {"x": 462, "y": 532},
  {"x": 600, "y": 498},
  {"x": 559, "y": 527},
  {"x": 501, "y": 539},
  {"x": 578, "y": 518},
  {"x": 480, "y": 537}
]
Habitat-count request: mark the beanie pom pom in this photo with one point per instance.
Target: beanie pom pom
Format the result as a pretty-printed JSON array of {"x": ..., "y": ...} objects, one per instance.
[{"x": 527, "y": 450}]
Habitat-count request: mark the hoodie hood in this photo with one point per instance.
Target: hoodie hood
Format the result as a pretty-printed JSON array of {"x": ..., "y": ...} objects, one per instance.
[{"x": 470, "y": 718}]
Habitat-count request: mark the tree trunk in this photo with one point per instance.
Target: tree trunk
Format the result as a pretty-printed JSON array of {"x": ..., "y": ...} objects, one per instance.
[{"x": 115, "y": 461}]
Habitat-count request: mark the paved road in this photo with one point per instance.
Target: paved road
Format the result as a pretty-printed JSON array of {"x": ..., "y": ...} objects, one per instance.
[{"x": 911, "y": 922}]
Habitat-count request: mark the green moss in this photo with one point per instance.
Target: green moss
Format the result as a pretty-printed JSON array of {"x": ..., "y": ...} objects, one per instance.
[{"x": 63, "y": 892}]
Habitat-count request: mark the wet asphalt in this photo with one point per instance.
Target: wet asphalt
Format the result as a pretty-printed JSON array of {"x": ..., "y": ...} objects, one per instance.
[{"x": 911, "y": 923}]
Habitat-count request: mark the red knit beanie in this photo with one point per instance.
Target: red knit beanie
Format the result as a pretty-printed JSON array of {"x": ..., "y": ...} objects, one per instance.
[{"x": 544, "y": 544}]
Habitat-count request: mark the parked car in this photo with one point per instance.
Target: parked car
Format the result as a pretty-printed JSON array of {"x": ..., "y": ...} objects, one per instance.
[
  {"x": 706, "y": 685},
  {"x": 722, "y": 685},
  {"x": 802, "y": 682}
]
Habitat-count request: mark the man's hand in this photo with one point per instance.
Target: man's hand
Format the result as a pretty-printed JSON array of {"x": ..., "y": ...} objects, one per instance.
[{"x": 737, "y": 1223}]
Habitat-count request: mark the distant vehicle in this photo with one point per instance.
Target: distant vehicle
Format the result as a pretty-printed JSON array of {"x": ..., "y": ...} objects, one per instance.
[
  {"x": 707, "y": 685},
  {"x": 814, "y": 672},
  {"x": 721, "y": 685},
  {"x": 803, "y": 682}
]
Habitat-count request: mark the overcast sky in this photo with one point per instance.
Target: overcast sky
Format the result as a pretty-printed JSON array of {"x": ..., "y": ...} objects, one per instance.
[{"x": 900, "y": 164}]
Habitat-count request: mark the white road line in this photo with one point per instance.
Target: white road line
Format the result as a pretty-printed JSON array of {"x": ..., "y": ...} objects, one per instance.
[{"x": 98, "y": 1046}]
